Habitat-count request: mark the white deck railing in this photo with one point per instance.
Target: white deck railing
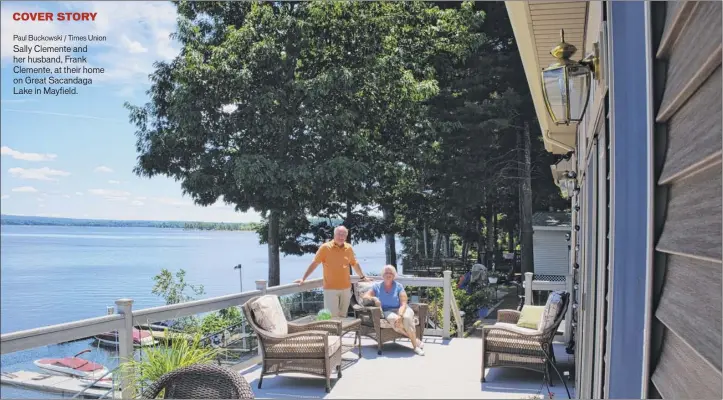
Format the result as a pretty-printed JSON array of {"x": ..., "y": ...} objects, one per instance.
[
  {"x": 127, "y": 318},
  {"x": 536, "y": 284}
]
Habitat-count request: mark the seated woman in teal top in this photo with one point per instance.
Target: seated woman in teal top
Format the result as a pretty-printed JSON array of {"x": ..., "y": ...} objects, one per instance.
[{"x": 391, "y": 297}]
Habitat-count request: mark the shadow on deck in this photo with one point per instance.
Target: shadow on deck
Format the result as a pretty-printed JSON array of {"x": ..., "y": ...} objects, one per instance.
[{"x": 450, "y": 369}]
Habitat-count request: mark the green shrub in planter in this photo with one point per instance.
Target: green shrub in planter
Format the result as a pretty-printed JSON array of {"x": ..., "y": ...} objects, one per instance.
[{"x": 323, "y": 315}]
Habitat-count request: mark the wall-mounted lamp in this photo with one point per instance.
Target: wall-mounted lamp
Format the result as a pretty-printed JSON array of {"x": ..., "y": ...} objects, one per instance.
[{"x": 566, "y": 83}]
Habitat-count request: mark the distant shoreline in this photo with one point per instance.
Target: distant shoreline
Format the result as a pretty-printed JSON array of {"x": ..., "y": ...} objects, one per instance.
[{"x": 19, "y": 220}]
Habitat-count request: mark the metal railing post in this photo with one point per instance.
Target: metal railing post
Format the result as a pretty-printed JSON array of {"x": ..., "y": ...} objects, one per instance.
[
  {"x": 125, "y": 346},
  {"x": 260, "y": 285},
  {"x": 446, "y": 307},
  {"x": 528, "y": 288}
]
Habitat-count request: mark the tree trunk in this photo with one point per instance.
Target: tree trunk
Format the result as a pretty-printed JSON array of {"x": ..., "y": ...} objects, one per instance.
[
  {"x": 273, "y": 247},
  {"x": 416, "y": 241},
  {"x": 390, "y": 244},
  {"x": 511, "y": 240},
  {"x": 526, "y": 228},
  {"x": 450, "y": 248},
  {"x": 435, "y": 249},
  {"x": 349, "y": 228},
  {"x": 464, "y": 250},
  {"x": 425, "y": 232},
  {"x": 480, "y": 240},
  {"x": 490, "y": 245},
  {"x": 495, "y": 236}
]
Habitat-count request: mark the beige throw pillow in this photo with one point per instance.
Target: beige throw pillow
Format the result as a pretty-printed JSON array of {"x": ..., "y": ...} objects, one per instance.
[{"x": 269, "y": 314}]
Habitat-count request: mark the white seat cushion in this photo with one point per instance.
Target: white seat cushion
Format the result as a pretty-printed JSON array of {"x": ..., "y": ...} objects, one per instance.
[
  {"x": 291, "y": 349},
  {"x": 515, "y": 328},
  {"x": 269, "y": 314}
]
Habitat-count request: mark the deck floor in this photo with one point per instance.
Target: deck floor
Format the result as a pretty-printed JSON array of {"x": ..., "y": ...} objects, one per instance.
[{"x": 450, "y": 369}]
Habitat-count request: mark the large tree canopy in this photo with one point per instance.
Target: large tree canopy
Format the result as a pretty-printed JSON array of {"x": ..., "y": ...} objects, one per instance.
[{"x": 346, "y": 111}]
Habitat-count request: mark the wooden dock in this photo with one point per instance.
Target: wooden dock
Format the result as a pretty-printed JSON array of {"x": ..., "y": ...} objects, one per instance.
[{"x": 64, "y": 385}]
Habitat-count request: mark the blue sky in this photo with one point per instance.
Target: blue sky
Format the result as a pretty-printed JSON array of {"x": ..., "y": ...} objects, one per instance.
[{"x": 72, "y": 156}]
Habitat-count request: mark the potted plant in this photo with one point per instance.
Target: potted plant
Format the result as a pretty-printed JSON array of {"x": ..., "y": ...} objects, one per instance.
[{"x": 494, "y": 276}]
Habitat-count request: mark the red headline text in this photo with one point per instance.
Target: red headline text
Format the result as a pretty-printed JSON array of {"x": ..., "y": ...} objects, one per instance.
[{"x": 59, "y": 16}]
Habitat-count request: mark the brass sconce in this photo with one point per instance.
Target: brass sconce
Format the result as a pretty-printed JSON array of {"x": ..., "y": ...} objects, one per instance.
[{"x": 566, "y": 83}]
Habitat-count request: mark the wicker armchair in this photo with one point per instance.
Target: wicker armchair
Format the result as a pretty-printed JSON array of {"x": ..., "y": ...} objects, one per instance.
[
  {"x": 201, "y": 381},
  {"x": 505, "y": 344},
  {"x": 374, "y": 326},
  {"x": 313, "y": 348}
]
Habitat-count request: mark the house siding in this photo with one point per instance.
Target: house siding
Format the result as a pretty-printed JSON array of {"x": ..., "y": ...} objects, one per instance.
[
  {"x": 685, "y": 354},
  {"x": 551, "y": 254}
]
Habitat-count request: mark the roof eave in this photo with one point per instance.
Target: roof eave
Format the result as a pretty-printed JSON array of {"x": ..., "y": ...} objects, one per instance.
[{"x": 559, "y": 139}]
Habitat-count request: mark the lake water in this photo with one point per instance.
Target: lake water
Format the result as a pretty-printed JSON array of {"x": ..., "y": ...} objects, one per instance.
[{"x": 51, "y": 275}]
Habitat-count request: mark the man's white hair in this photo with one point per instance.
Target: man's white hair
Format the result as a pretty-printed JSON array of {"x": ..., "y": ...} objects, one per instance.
[
  {"x": 389, "y": 268},
  {"x": 341, "y": 228}
]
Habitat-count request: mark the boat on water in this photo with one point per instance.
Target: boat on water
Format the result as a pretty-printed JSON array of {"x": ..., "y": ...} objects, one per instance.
[
  {"x": 76, "y": 367},
  {"x": 140, "y": 338}
]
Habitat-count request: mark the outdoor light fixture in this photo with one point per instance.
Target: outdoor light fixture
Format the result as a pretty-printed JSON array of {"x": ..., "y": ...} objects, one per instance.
[
  {"x": 566, "y": 83},
  {"x": 567, "y": 187}
]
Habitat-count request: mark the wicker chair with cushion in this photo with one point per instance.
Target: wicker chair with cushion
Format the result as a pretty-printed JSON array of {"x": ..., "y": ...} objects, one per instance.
[
  {"x": 374, "y": 326},
  {"x": 201, "y": 381},
  {"x": 312, "y": 348},
  {"x": 505, "y": 344}
]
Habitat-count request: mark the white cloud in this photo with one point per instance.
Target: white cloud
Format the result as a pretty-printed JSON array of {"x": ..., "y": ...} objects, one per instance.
[
  {"x": 104, "y": 169},
  {"x": 18, "y": 155},
  {"x": 78, "y": 193},
  {"x": 109, "y": 193},
  {"x": 5, "y": 196},
  {"x": 80, "y": 116},
  {"x": 136, "y": 36},
  {"x": 41, "y": 174},
  {"x": 25, "y": 189},
  {"x": 114, "y": 182},
  {"x": 132, "y": 46},
  {"x": 15, "y": 101},
  {"x": 140, "y": 197},
  {"x": 172, "y": 202},
  {"x": 137, "y": 203},
  {"x": 66, "y": 196}
]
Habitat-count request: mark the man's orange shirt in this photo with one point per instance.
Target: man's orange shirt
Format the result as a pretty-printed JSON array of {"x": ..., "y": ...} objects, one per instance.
[{"x": 336, "y": 261}]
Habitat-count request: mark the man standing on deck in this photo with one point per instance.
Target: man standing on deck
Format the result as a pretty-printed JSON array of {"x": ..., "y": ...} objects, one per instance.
[{"x": 336, "y": 256}]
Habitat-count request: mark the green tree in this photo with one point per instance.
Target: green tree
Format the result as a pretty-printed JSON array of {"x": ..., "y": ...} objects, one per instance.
[
  {"x": 377, "y": 62},
  {"x": 175, "y": 290},
  {"x": 227, "y": 116}
]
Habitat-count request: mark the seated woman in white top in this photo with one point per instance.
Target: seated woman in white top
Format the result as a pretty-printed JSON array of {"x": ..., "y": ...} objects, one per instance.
[{"x": 391, "y": 297}]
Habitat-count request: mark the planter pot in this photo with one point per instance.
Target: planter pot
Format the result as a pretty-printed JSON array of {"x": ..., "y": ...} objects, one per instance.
[
  {"x": 492, "y": 279},
  {"x": 483, "y": 312}
]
